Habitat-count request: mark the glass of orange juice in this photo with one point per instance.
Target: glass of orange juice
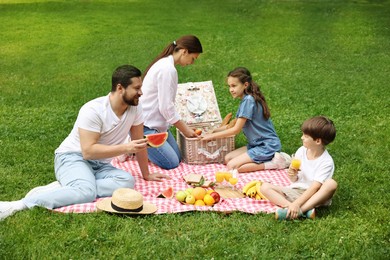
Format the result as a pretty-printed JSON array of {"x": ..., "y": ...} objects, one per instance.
[
  {"x": 296, "y": 163},
  {"x": 234, "y": 178},
  {"x": 219, "y": 177},
  {"x": 233, "y": 181},
  {"x": 228, "y": 175}
]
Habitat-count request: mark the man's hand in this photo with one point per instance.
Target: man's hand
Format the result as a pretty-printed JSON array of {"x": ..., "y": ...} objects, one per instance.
[
  {"x": 157, "y": 177},
  {"x": 134, "y": 146}
]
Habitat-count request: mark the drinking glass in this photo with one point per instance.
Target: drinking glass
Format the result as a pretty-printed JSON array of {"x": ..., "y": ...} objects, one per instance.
[
  {"x": 234, "y": 178},
  {"x": 219, "y": 177}
]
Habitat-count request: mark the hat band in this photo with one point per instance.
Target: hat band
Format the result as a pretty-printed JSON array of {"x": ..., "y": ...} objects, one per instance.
[{"x": 126, "y": 210}]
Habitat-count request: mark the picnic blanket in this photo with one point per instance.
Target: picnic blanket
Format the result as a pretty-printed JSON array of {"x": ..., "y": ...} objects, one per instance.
[{"x": 151, "y": 189}]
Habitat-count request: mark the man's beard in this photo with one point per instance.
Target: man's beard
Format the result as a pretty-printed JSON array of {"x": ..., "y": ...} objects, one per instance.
[{"x": 131, "y": 101}]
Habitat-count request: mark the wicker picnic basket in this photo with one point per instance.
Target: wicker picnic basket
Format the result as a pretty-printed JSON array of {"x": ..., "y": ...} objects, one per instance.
[{"x": 198, "y": 107}]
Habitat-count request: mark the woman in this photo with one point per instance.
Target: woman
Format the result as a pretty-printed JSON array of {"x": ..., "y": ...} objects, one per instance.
[{"x": 158, "y": 100}]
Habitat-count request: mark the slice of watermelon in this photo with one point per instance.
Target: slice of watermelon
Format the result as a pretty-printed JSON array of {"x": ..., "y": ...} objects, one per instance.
[
  {"x": 168, "y": 193},
  {"x": 156, "y": 140}
]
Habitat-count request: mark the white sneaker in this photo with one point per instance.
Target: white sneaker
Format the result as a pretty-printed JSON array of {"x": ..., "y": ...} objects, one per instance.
[
  {"x": 285, "y": 162},
  {"x": 280, "y": 161},
  {"x": 42, "y": 189},
  {"x": 8, "y": 208}
]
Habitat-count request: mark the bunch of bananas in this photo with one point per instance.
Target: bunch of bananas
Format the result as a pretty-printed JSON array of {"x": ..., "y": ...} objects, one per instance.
[{"x": 252, "y": 190}]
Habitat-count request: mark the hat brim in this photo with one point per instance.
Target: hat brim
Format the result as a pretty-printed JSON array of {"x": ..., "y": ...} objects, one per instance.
[{"x": 105, "y": 205}]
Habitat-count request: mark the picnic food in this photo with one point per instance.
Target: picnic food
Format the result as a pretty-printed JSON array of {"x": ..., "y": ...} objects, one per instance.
[
  {"x": 232, "y": 123},
  {"x": 215, "y": 196},
  {"x": 168, "y": 193},
  {"x": 200, "y": 203},
  {"x": 248, "y": 186},
  {"x": 198, "y": 197},
  {"x": 197, "y": 180},
  {"x": 208, "y": 200},
  {"x": 252, "y": 190},
  {"x": 156, "y": 140},
  {"x": 226, "y": 120},
  {"x": 199, "y": 193},
  {"x": 295, "y": 163},
  {"x": 259, "y": 195},
  {"x": 181, "y": 195},
  {"x": 190, "y": 199},
  {"x": 198, "y": 131},
  {"x": 219, "y": 177}
]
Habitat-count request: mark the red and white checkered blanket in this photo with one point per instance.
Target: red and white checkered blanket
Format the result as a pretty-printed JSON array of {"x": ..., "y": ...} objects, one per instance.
[{"x": 151, "y": 190}]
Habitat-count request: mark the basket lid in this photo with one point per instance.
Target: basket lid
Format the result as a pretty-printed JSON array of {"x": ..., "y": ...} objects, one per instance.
[{"x": 196, "y": 103}]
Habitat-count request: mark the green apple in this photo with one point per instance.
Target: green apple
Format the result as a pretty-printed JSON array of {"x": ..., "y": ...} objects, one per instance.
[
  {"x": 181, "y": 195},
  {"x": 189, "y": 191},
  {"x": 190, "y": 199}
]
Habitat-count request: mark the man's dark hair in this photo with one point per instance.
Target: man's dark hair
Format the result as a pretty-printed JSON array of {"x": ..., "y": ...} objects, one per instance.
[{"x": 123, "y": 75}]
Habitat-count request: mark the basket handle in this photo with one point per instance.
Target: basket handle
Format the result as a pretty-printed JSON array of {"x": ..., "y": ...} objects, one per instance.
[{"x": 209, "y": 155}]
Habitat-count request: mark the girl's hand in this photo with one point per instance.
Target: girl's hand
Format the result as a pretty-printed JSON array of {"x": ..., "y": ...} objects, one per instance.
[{"x": 207, "y": 137}]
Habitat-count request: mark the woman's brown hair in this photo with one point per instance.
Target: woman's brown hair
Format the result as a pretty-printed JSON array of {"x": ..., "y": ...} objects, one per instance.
[{"x": 188, "y": 42}]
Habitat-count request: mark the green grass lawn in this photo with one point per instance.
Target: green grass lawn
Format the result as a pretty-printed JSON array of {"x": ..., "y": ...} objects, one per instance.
[{"x": 310, "y": 58}]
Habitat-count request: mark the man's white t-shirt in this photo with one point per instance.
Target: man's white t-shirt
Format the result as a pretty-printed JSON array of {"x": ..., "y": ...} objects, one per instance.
[
  {"x": 320, "y": 169},
  {"x": 98, "y": 116},
  {"x": 159, "y": 89}
]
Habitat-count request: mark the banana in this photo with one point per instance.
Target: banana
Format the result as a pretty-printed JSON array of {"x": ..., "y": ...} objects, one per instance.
[
  {"x": 258, "y": 185},
  {"x": 226, "y": 120},
  {"x": 248, "y": 186},
  {"x": 232, "y": 123},
  {"x": 258, "y": 197},
  {"x": 251, "y": 192}
]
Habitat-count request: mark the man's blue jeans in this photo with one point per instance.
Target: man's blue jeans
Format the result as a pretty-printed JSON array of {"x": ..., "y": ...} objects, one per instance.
[{"x": 82, "y": 181}]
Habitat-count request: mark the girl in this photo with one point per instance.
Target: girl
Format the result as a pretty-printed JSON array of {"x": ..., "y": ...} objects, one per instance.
[
  {"x": 253, "y": 118},
  {"x": 158, "y": 100}
]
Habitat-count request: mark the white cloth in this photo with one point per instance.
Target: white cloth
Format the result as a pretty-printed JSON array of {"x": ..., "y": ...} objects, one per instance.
[
  {"x": 98, "y": 116},
  {"x": 159, "y": 89},
  {"x": 320, "y": 169}
]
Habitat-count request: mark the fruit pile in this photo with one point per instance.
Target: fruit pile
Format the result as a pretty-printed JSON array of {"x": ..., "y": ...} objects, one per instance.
[
  {"x": 198, "y": 196},
  {"x": 252, "y": 190}
]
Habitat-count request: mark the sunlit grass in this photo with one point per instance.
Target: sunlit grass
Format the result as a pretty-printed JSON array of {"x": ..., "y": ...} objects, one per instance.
[{"x": 310, "y": 58}]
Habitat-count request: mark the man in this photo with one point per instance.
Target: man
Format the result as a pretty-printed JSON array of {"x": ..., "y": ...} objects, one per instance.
[{"x": 82, "y": 161}]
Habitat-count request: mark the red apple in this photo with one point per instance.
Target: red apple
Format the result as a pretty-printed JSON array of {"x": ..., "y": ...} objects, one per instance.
[{"x": 215, "y": 196}]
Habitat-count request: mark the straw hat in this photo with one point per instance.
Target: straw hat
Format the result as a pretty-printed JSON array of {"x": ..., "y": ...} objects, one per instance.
[{"x": 126, "y": 201}]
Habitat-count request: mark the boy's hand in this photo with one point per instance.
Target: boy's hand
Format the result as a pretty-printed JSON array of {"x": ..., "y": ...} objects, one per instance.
[
  {"x": 292, "y": 171},
  {"x": 293, "y": 211}
]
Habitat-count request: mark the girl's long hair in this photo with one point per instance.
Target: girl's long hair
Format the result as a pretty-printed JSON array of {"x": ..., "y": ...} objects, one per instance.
[
  {"x": 253, "y": 88},
  {"x": 188, "y": 42}
]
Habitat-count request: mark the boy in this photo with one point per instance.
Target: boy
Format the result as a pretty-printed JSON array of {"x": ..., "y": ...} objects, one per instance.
[{"x": 312, "y": 184}]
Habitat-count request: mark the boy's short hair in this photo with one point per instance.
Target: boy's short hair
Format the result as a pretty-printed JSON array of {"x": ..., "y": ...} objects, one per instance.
[{"x": 320, "y": 127}]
